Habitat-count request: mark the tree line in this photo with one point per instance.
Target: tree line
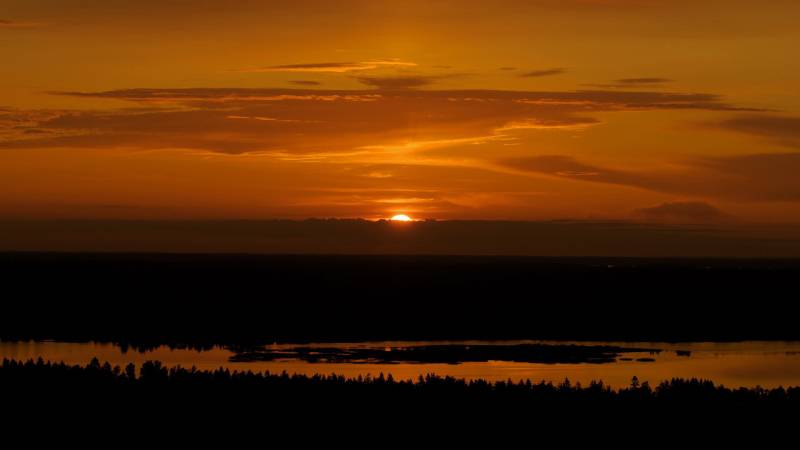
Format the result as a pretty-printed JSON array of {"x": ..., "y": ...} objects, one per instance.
[{"x": 153, "y": 379}]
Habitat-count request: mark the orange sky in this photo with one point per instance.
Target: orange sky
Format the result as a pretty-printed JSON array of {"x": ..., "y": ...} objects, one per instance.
[{"x": 657, "y": 110}]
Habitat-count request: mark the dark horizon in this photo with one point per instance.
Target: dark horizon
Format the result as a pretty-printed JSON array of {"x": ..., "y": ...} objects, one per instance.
[{"x": 568, "y": 238}]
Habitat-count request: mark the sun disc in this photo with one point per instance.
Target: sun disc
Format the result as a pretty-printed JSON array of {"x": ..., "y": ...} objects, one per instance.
[{"x": 401, "y": 218}]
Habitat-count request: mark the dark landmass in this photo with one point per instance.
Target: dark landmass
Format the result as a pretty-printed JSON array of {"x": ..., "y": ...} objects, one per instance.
[
  {"x": 449, "y": 354},
  {"x": 363, "y": 237},
  {"x": 144, "y": 300}
]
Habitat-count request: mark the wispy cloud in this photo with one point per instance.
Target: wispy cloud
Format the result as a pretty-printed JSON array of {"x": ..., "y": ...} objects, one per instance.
[
  {"x": 640, "y": 81},
  {"x": 633, "y": 83},
  {"x": 758, "y": 177},
  {"x": 544, "y": 123},
  {"x": 332, "y": 67},
  {"x": 783, "y": 130},
  {"x": 305, "y": 82},
  {"x": 5, "y": 23},
  {"x": 390, "y": 83},
  {"x": 323, "y": 121},
  {"x": 584, "y": 100},
  {"x": 541, "y": 73}
]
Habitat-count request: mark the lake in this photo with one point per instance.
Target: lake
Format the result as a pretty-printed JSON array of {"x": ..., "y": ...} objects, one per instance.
[{"x": 751, "y": 363}]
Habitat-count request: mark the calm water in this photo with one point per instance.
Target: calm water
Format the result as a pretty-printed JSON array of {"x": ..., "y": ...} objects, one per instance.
[{"x": 768, "y": 364}]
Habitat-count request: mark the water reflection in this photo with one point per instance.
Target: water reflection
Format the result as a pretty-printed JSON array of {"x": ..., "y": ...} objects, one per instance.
[{"x": 768, "y": 364}]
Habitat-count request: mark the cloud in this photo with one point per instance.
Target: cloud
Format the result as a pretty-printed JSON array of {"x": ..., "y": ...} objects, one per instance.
[
  {"x": 682, "y": 212},
  {"x": 390, "y": 83},
  {"x": 784, "y": 130},
  {"x": 758, "y": 177},
  {"x": 544, "y": 123},
  {"x": 633, "y": 83},
  {"x": 4, "y": 23},
  {"x": 321, "y": 121},
  {"x": 333, "y": 67},
  {"x": 305, "y": 82},
  {"x": 580, "y": 100},
  {"x": 638, "y": 81},
  {"x": 411, "y": 201},
  {"x": 616, "y": 100},
  {"x": 543, "y": 73},
  {"x": 568, "y": 167}
]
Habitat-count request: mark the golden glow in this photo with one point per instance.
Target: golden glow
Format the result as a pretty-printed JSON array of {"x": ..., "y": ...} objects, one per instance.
[
  {"x": 302, "y": 109},
  {"x": 401, "y": 218}
]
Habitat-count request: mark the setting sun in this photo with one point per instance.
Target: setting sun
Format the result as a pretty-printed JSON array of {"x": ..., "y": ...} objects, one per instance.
[{"x": 401, "y": 218}]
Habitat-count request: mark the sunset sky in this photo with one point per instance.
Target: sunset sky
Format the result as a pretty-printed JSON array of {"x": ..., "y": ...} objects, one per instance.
[{"x": 674, "y": 111}]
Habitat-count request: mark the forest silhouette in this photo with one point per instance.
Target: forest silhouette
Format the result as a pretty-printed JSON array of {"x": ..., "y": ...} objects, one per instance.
[{"x": 131, "y": 385}]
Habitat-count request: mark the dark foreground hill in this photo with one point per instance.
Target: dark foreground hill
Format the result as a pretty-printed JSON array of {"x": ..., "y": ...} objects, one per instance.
[{"x": 144, "y": 299}]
